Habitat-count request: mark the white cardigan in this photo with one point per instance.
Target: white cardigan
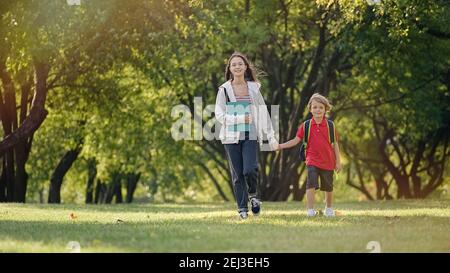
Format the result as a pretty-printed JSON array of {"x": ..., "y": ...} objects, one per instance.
[{"x": 259, "y": 113}]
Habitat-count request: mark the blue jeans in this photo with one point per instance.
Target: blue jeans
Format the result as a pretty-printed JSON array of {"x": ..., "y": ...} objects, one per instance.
[{"x": 244, "y": 170}]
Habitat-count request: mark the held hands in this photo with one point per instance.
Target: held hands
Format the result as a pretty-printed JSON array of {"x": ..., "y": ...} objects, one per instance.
[
  {"x": 274, "y": 147},
  {"x": 278, "y": 147}
]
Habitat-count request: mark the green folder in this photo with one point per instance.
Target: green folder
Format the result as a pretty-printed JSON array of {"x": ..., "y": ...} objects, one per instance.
[{"x": 238, "y": 108}]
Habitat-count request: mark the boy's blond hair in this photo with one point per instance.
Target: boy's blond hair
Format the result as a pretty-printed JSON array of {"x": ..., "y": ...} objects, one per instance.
[{"x": 320, "y": 99}]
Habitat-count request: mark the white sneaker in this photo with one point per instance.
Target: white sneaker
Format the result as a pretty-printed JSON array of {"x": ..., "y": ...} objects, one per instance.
[
  {"x": 311, "y": 213},
  {"x": 329, "y": 212},
  {"x": 243, "y": 215}
]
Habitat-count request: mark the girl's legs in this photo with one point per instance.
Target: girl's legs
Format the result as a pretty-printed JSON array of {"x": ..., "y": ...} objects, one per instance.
[
  {"x": 249, "y": 154},
  {"x": 234, "y": 154},
  {"x": 250, "y": 165}
]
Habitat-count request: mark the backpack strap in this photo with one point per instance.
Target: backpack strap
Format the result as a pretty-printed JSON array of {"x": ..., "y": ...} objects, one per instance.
[
  {"x": 331, "y": 132},
  {"x": 226, "y": 94},
  {"x": 307, "y": 128}
]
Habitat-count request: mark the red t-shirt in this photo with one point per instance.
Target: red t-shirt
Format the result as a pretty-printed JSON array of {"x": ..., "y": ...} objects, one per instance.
[{"x": 319, "y": 152}]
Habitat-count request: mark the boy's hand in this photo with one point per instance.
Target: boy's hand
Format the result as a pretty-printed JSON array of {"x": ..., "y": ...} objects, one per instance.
[{"x": 338, "y": 167}]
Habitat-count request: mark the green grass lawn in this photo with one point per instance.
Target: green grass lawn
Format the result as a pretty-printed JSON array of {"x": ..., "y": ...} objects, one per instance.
[{"x": 398, "y": 226}]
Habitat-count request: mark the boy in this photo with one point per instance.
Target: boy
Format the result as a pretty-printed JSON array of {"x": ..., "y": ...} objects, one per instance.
[{"x": 322, "y": 157}]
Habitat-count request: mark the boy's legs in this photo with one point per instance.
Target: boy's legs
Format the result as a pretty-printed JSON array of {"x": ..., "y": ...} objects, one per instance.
[
  {"x": 312, "y": 183},
  {"x": 310, "y": 198},
  {"x": 326, "y": 185},
  {"x": 329, "y": 208},
  {"x": 329, "y": 199}
]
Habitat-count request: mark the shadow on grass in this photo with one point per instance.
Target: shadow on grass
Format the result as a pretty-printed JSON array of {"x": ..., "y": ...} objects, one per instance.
[
  {"x": 288, "y": 231},
  {"x": 221, "y": 206},
  {"x": 125, "y": 207}
]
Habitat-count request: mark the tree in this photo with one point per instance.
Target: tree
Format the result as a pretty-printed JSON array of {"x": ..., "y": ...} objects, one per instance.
[
  {"x": 58, "y": 44},
  {"x": 330, "y": 47},
  {"x": 296, "y": 44},
  {"x": 405, "y": 103}
]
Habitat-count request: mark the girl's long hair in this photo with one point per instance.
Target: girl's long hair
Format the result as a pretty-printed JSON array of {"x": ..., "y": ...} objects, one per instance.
[{"x": 250, "y": 73}]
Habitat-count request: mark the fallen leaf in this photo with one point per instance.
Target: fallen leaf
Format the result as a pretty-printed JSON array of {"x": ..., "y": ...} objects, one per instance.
[
  {"x": 73, "y": 216},
  {"x": 395, "y": 217}
]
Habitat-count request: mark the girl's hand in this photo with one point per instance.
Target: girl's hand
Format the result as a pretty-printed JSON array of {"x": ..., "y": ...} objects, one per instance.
[
  {"x": 248, "y": 119},
  {"x": 338, "y": 167}
]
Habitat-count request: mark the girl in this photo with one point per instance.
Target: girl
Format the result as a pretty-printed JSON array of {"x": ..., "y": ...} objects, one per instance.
[{"x": 241, "y": 130}]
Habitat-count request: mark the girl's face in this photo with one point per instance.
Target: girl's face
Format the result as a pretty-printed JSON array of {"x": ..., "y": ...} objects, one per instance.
[
  {"x": 237, "y": 67},
  {"x": 317, "y": 109}
]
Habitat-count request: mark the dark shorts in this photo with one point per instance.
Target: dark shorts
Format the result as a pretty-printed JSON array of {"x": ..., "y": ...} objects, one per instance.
[{"x": 326, "y": 179}]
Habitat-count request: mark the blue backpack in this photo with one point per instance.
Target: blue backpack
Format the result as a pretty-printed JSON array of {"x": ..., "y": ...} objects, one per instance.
[{"x": 307, "y": 128}]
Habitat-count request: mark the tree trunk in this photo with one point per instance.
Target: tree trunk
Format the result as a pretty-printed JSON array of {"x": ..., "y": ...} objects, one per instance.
[
  {"x": 37, "y": 115},
  {"x": 9, "y": 175},
  {"x": 100, "y": 192},
  {"x": 56, "y": 180},
  {"x": 132, "y": 180},
  {"x": 92, "y": 172},
  {"x": 23, "y": 148},
  {"x": 299, "y": 193},
  {"x": 41, "y": 196},
  {"x": 21, "y": 180},
  {"x": 3, "y": 182},
  {"x": 15, "y": 146},
  {"x": 213, "y": 179},
  {"x": 114, "y": 188},
  {"x": 118, "y": 193}
]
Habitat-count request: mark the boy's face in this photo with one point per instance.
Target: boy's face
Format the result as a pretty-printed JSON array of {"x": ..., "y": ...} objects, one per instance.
[{"x": 317, "y": 109}]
